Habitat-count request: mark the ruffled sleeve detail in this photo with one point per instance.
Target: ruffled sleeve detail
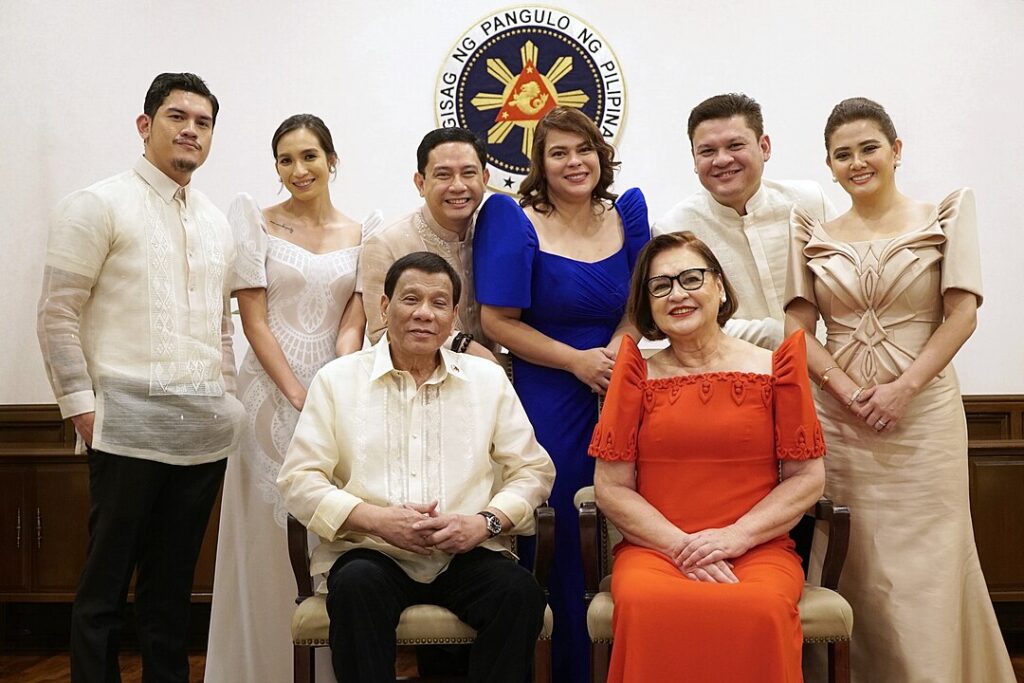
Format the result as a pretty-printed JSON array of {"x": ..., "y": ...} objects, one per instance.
[
  {"x": 961, "y": 260},
  {"x": 636, "y": 226},
  {"x": 799, "y": 279},
  {"x": 798, "y": 434},
  {"x": 504, "y": 247},
  {"x": 616, "y": 431},
  {"x": 373, "y": 224},
  {"x": 246, "y": 221}
]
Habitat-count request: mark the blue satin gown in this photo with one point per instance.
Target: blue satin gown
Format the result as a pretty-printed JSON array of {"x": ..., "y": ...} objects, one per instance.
[{"x": 579, "y": 304}]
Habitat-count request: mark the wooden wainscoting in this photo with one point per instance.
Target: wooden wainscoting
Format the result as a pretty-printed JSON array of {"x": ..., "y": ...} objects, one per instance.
[
  {"x": 44, "y": 510},
  {"x": 44, "y": 502}
]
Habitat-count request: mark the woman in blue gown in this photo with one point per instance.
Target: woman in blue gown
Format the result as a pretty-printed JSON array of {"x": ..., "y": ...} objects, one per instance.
[{"x": 552, "y": 275}]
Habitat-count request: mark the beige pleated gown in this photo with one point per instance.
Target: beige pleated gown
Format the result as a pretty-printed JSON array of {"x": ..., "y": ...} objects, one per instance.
[{"x": 922, "y": 612}]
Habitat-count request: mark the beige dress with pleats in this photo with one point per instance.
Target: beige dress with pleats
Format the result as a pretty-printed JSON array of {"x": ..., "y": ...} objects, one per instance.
[{"x": 922, "y": 612}]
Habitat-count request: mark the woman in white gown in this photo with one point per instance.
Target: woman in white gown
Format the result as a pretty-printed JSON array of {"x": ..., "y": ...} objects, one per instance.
[{"x": 295, "y": 281}]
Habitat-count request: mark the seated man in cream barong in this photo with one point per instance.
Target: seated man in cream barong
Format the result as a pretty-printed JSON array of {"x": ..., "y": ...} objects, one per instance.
[
  {"x": 415, "y": 464},
  {"x": 742, "y": 217}
]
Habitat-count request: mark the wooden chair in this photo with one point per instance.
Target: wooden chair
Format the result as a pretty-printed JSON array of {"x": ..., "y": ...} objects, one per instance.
[
  {"x": 825, "y": 615},
  {"x": 419, "y": 624}
]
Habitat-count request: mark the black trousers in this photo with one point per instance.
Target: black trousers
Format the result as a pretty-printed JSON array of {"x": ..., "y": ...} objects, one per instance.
[
  {"x": 367, "y": 592},
  {"x": 150, "y": 516}
]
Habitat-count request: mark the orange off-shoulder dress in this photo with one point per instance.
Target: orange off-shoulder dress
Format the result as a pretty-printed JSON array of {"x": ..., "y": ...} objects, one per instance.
[{"x": 707, "y": 449}]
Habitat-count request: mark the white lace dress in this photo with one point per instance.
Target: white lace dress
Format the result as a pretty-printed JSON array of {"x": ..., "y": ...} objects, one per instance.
[{"x": 254, "y": 588}]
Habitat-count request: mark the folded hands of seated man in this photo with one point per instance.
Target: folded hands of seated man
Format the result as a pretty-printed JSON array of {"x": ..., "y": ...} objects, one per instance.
[
  {"x": 397, "y": 525},
  {"x": 453, "y": 533}
]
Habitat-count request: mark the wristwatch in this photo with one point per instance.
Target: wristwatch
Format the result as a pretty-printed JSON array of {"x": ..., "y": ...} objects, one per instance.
[{"x": 493, "y": 523}]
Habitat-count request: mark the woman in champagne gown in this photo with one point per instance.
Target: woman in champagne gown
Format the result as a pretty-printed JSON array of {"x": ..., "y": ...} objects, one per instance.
[
  {"x": 295, "y": 281},
  {"x": 897, "y": 283}
]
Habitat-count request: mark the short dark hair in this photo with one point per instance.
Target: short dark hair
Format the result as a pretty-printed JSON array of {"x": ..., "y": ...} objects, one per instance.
[
  {"x": 859, "y": 109},
  {"x": 163, "y": 84},
  {"x": 534, "y": 188},
  {"x": 314, "y": 124},
  {"x": 426, "y": 262},
  {"x": 725, "y": 107},
  {"x": 638, "y": 307},
  {"x": 439, "y": 136}
]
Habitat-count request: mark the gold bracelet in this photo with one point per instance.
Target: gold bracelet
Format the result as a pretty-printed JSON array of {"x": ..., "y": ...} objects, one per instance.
[
  {"x": 824, "y": 376},
  {"x": 856, "y": 395}
]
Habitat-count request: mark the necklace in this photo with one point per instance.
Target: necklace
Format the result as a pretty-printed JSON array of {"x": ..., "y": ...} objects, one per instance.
[{"x": 290, "y": 229}]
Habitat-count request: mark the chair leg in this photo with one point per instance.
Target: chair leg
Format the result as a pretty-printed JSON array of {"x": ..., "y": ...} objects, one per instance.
[
  {"x": 600, "y": 656},
  {"x": 304, "y": 664},
  {"x": 542, "y": 662},
  {"x": 839, "y": 662}
]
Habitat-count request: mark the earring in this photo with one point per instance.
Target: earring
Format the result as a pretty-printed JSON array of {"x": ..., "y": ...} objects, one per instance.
[
  {"x": 334, "y": 172},
  {"x": 723, "y": 297},
  {"x": 898, "y": 161},
  {"x": 835, "y": 180},
  {"x": 280, "y": 186},
  {"x": 695, "y": 171}
]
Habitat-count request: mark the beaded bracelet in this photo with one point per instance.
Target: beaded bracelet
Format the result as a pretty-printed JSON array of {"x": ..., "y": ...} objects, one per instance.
[{"x": 461, "y": 342}]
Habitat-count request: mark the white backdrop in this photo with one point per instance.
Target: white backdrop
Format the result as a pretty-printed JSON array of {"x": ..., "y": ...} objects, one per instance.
[{"x": 75, "y": 74}]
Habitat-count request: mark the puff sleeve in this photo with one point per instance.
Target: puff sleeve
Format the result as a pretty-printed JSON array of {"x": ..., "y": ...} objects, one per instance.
[
  {"x": 246, "y": 221},
  {"x": 799, "y": 279},
  {"x": 616, "y": 432},
  {"x": 504, "y": 247},
  {"x": 798, "y": 434},
  {"x": 636, "y": 226},
  {"x": 961, "y": 260}
]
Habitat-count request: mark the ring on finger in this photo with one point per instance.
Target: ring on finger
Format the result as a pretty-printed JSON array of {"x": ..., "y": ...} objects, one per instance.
[{"x": 881, "y": 424}]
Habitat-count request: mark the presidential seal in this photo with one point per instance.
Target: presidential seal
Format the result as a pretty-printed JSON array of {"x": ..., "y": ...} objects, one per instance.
[{"x": 513, "y": 67}]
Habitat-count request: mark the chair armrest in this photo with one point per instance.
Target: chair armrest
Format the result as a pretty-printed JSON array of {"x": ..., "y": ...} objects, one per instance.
[
  {"x": 298, "y": 553},
  {"x": 838, "y": 519},
  {"x": 590, "y": 547},
  {"x": 544, "y": 554}
]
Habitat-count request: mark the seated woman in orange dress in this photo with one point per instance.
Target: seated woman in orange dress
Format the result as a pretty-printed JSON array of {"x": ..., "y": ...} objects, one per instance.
[{"x": 708, "y": 453}]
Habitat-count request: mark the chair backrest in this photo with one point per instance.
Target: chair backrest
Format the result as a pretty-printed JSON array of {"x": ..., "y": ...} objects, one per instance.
[{"x": 609, "y": 535}]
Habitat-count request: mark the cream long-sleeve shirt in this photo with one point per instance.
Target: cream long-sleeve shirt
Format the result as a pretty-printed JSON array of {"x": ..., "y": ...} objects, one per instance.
[
  {"x": 418, "y": 231},
  {"x": 753, "y": 249},
  {"x": 368, "y": 434},
  {"x": 134, "y": 321}
]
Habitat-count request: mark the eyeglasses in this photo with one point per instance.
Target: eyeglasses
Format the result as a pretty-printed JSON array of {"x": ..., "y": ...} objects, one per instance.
[{"x": 690, "y": 279}]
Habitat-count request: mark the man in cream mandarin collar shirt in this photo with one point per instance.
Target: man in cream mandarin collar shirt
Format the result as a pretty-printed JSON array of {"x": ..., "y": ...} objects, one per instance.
[
  {"x": 135, "y": 329},
  {"x": 743, "y": 218},
  {"x": 414, "y": 465},
  {"x": 451, "y": 177}
]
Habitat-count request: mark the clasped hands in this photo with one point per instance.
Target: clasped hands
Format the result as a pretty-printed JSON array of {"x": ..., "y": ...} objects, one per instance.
[
  {"x": 419, "y": 528},
  {"x": 881, "y": 406},
  {"x": 705, "y": 555}
]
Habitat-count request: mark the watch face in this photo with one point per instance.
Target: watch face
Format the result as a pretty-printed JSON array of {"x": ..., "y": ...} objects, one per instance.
[{"x": 493, "y": 523}]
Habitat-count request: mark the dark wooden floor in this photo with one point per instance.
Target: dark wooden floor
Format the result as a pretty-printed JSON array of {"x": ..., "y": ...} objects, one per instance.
[{"x": 53, "y": 668}]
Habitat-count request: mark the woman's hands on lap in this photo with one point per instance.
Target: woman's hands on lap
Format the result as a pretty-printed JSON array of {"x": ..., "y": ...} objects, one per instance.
[
  {"x": 710, "y": 546},
  {"x": 719, "y": 571},
  {"x": 716, "y": 572}
]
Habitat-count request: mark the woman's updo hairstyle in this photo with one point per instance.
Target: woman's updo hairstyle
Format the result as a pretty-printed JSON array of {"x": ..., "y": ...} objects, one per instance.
[
  {"x": 313, "y": 124},
  {"x": 859, "y": 109}
]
